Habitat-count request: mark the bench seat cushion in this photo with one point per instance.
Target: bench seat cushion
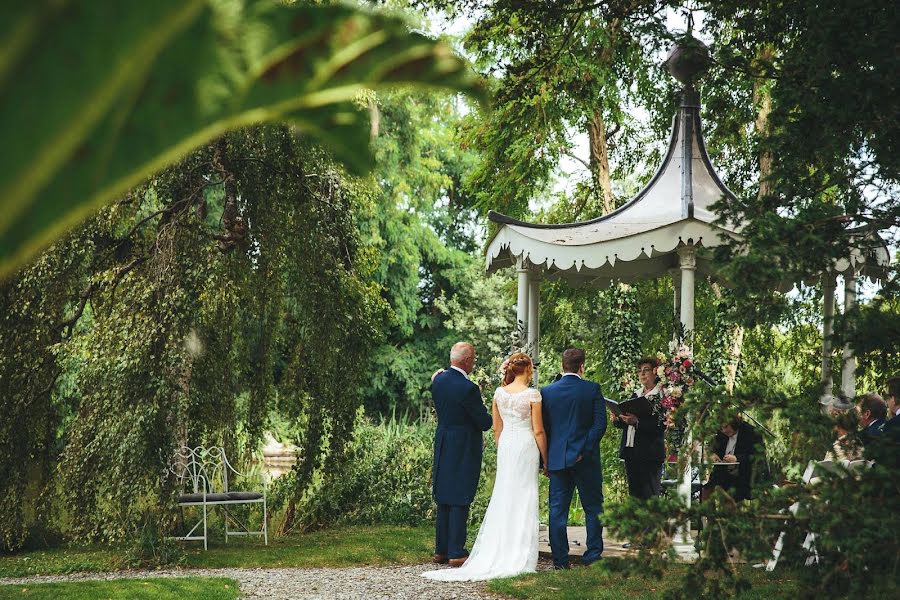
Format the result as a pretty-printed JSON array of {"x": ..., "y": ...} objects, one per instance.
[
  {"x": 244, "y": 495},
  {"x": 198, "y": 498}
]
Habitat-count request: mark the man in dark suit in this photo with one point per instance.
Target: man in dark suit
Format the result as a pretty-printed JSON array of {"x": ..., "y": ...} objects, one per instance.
[
  {"x": 458, "y": 444},
  {"x": 737, "y": 442},
  {"x": 575, "y": 419},
  {"x": 872, "y": 411},
  {"x": 643, "y": 445}
]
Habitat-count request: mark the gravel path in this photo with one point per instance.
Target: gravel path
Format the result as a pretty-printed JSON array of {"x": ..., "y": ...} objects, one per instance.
[{"x": 357, "y": 582}]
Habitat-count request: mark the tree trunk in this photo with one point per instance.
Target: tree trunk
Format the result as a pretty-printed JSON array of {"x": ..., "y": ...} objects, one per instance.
[
  {"x": 762, "y": 98},
  {"x": 600, "y": 161},
  {"x": 734, "y": 357},
  {"x": 734, "y": 348},
  {"x": 288, "y": 523}
]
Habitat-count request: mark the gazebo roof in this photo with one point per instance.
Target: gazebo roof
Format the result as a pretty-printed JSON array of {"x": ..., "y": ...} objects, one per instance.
[{"x": 638, "y": 240}]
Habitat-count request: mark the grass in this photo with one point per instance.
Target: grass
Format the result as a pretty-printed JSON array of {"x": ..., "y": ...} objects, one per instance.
[
  {"x": 356, "y": 546},
  {"x": 600, "y": 582},
  {"x": 196, "y": 588}
]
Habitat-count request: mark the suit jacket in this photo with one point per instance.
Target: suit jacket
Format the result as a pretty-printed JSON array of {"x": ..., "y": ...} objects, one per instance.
[
  {"x": 872, "y": 432},
  {"x": 892, "y": 426},
  {"x": 749, "y": 443},
  {"x": 649, "y": 440},
  {"x": 574, "y": 414},
  {"x": 461, "y": 417}
]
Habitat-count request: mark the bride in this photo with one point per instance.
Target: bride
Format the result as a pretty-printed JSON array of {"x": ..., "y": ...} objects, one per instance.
[{"x": 507, "y": 542}]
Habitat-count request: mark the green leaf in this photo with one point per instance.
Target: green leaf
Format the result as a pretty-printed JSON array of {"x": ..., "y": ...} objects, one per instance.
[{"x": 124, "y": 89}]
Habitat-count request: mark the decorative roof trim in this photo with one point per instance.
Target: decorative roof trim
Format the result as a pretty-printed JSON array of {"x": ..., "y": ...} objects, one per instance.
[{"x": 511, "y": 243}]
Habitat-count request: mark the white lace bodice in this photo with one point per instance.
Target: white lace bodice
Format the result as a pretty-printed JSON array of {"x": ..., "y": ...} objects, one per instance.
[{"x": 515, "y": 408}]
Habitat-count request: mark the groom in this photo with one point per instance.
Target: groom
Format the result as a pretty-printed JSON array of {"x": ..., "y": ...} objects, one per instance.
[
  {"x": 461, "y": 417},
  {"x": 575, "y": 419}
]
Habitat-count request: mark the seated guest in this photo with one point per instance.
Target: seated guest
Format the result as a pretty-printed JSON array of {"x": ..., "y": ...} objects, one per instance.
[
  {"x": 845, "y": 447},
  {"x": 642, "y": 446},
  {"x": 892, "y": 399},
  {"x": 872, "y": 411},
  {"x": 737, "y": 442}
]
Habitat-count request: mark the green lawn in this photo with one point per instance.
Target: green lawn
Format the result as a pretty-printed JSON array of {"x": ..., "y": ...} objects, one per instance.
[
  {"x": 196, "y": 588},
  {"x": 599, "y": 582},
  {"x": 375, "y": 545}
]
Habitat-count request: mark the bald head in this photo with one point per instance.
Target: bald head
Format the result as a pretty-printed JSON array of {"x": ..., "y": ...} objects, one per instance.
[{"x": 462, "y": 356}]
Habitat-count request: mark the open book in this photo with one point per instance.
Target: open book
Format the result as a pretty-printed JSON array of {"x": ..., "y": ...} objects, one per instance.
[{"x": 639, "y": 407}]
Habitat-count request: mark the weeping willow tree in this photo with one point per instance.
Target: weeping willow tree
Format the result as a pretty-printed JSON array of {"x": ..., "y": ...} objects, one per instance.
[{"x": 226, "y": 287}]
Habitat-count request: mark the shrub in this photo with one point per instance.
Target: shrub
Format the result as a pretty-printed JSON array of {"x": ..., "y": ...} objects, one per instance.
[
  {"x": 150, "y": 547},
  {"x": 385, "y": 478}
]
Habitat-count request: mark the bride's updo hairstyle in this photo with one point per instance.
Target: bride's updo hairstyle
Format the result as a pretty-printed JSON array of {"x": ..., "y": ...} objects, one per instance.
[{"x": 516, "y": 365}]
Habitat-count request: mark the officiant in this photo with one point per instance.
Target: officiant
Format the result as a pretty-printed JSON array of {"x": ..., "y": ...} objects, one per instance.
[{"x": 643, "y": 446}]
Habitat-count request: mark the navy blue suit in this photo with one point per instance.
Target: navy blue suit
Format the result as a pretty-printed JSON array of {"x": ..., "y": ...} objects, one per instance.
[
  {"x": 574, "y": 414},
  {"x": 872, "y": 432},
  {"x": 892, "y": 426},
  {"x": 461, "y": 418}
]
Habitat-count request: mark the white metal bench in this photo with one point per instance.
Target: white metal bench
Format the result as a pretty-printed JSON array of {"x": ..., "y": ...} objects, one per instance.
[{"x": 205, "y": 471}]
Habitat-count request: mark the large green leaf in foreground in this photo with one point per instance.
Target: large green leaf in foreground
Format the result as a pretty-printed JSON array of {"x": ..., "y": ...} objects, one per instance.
[{"x": 96, "y": 95}]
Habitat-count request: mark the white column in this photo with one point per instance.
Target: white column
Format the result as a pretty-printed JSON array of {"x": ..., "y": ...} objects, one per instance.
[
  {"x": 534, "y": 323},
  {"x": 828, "y": 286},
  {"x": 676, "y": 293},
  {"x": 522, "y": 304},
  {"x": 848, "y": 367},
  {"x": 687, "y": 262}
]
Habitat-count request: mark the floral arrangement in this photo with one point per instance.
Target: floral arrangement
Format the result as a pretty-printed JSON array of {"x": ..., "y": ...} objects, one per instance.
[{"x": 676, "y": 376}]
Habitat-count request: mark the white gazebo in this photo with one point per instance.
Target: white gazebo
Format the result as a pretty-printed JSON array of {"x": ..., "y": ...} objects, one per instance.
[
  {"x": 662, "y": 230},
  {"x": 667, "y": 228}
]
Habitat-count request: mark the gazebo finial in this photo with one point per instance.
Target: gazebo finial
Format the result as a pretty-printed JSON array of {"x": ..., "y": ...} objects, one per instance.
[{"x": 689, "y": 58}]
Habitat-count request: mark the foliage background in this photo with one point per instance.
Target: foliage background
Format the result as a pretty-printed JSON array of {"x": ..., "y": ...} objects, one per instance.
[{"x": 256, "y": 287}]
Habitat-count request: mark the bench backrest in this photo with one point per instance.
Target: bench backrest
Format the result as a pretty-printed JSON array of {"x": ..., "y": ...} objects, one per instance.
[{"x": 202, "y": 468}]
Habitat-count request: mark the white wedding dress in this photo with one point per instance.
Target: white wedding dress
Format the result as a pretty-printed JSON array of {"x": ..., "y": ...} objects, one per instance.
[{"x": 507, "y": 542}]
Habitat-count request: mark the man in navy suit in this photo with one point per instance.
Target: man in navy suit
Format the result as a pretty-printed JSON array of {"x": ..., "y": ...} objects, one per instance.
[
  {"x": 458, "y": 444},
  {"x": 575, "y": 419},
  {"x": 872, "y": 410}
]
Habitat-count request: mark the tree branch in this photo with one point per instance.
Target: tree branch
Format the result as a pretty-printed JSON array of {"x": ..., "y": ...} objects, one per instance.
[
  {"x": 69, "y": 324},
  {"x": 578, "y": 158}
]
